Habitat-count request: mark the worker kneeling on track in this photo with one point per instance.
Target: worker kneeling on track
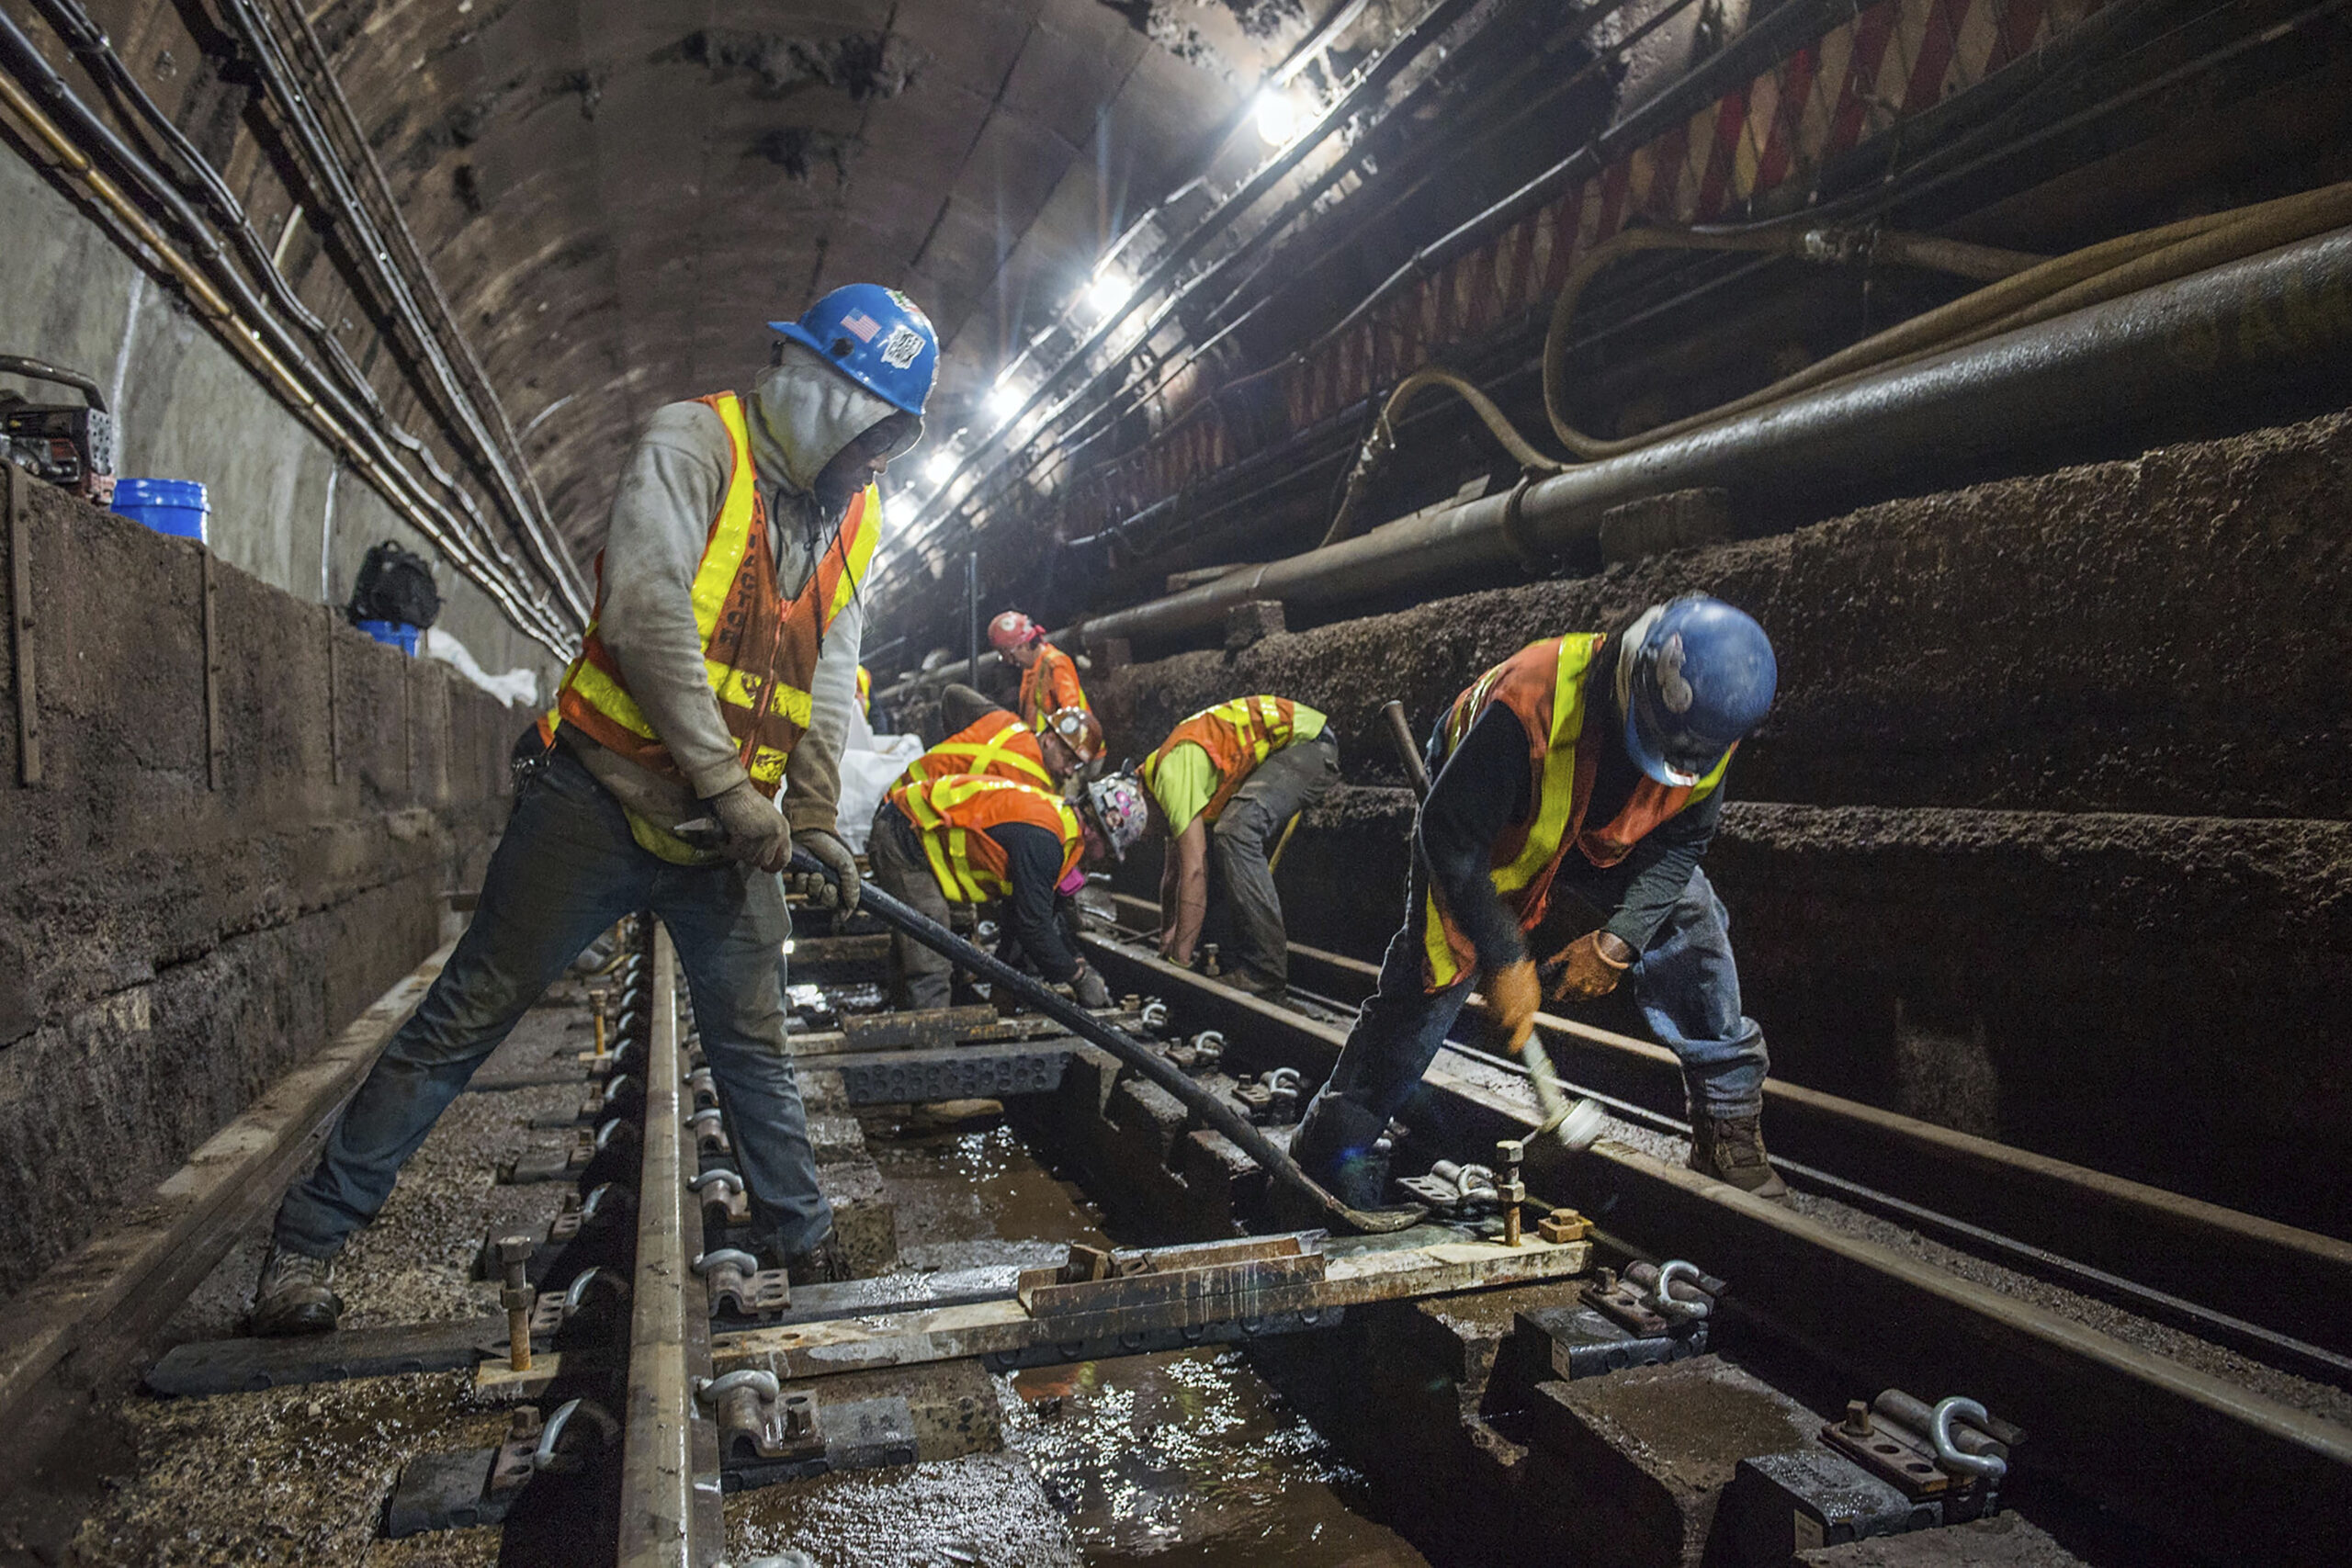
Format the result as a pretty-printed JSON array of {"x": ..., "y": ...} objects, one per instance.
[
  {"x": 1594, "y": 764},
  {"x": 720, "y": 669},
  {"x": 1228, "y": 781},
  {"x": 963, "y": 839}
]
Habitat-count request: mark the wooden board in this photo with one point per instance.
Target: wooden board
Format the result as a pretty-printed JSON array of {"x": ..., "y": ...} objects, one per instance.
[{"x": 1426, "y": 1261}]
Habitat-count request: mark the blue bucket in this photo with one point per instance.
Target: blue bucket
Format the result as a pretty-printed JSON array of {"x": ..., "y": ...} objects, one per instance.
[
  {"x": 399, "y": 633},
  {"x": 177, "y": 507}
]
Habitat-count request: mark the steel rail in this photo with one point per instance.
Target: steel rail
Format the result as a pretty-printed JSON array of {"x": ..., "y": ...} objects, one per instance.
[
  {"x": 670, "y": 1501},
  {"x": 2163, "y": 1443},
  {"x": 2286, "y": 1291}
]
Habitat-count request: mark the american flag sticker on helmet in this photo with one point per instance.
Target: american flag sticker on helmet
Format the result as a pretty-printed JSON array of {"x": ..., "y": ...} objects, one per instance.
[{"x": 862, "y": 324}]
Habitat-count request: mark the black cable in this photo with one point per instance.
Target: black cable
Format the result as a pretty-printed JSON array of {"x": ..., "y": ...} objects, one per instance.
[{"x": 1212, "y": 1107}]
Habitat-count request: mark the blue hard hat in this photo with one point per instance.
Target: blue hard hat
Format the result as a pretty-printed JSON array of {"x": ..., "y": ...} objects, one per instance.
[
  {"x": 875, "y": 336},
  {"x": 1703, "y": 679}
]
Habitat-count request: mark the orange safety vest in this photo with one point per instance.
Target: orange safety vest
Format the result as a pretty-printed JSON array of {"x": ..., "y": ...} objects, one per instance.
[
  {"x": 759, "y": 649},
  {"x": 952, "y": 816},
  {"x": 1238, "y": 736},
  {"x": 995, "y": 745},
  {"x": 1049, "y": 684},
  {"x": 1544, "y": 684}
]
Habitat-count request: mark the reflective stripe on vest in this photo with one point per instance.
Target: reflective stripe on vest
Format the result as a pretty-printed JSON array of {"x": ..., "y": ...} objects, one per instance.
[
  {"x": 1544, "y": 684},
  {"x": 759, "y": 651},
  {"x": 995, "y": 745},
  {"x": 1237, "y": 735},
  {"x": 952, "y": 817}
]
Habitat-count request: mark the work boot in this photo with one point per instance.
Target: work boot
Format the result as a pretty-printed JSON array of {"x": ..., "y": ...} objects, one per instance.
[
  {"x": 823, "y": 1264},
  {"x": 294, "y": 1295},
  {"x": 1343, "y": 1148},
  {"x": 1731, "y": 1148}
]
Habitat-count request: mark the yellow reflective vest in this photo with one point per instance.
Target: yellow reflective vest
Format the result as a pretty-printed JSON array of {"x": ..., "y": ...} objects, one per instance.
[
  {"x": 1544, "y": 684},
  {"x": 759, "y": 649}
]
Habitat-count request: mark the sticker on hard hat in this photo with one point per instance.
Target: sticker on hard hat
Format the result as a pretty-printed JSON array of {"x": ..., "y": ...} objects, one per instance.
[
  {"x": 863, "y": 325},
  {"x": 1671, "y": 686},
  {"x": 901, "y": 347}
]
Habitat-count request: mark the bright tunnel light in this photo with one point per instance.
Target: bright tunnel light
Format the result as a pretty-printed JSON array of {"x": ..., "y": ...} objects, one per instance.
[
  {"x": 1005, "y": 399},
  {"x": 1106, "y": 292},
  {"x": 938, "y": 466},
  {"x": 1278, "y": 115}
]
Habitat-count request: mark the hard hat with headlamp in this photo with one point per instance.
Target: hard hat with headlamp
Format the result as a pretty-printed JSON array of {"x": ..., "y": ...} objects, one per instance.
[{"x": 1012, "y": 630}]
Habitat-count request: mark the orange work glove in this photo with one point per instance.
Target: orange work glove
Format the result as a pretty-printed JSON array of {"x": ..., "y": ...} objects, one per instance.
[
  {"x": 1590, "y": 967},
  {"x": 1512, "y": 995}
]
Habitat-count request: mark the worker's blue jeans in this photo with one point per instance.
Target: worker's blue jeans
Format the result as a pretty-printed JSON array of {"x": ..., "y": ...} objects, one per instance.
[
  {"x": 1685, "y": 983},
  {"x": 565, "y": 870}
]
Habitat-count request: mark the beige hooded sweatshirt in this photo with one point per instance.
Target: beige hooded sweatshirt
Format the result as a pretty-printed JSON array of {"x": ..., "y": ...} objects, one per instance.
[{"x": 800, "y": 415}]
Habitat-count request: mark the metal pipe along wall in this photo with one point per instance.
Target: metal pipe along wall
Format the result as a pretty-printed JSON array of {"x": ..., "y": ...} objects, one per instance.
[{"x": 2270, "y": 324}]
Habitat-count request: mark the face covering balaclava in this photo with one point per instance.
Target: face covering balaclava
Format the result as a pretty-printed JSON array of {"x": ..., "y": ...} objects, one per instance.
[{"x": 803, "y": 412}]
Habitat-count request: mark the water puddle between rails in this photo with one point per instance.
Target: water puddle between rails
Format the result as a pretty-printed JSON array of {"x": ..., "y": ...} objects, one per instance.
[{"x": 1173, "y": 1459}]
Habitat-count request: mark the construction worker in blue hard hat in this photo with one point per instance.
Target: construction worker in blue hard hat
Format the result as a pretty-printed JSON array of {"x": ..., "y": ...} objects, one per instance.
[
  {"x": 714, "y": 682},
  {"x": 1592, "y": 766}
]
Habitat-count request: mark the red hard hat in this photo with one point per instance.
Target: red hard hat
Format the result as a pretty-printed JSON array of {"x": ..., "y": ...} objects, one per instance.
[{"x": 1010, "y": 631}]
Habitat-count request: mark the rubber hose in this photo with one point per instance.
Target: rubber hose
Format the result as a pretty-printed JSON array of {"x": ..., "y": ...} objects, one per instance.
[
  {"x": 913, "y": 923},
  {"x": 1381, "y": 441},
  {"x": 1812, "y": 244}
]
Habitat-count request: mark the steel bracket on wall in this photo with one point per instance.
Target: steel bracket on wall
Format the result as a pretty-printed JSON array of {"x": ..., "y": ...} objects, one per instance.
[
  {"x": 214, "y": 745},
  {"x": 20, "y": 626}
]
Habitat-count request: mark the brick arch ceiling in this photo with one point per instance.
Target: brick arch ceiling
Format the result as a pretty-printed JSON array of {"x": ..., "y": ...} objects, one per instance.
[{"x": 617, "y": 193}]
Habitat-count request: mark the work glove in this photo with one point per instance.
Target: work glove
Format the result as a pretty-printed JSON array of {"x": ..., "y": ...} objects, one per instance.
[
  {"x": 1512, "y": 995},
  {"x": 835, "y": 857},
  {"x": 1587, "y": 968},
  {"x": 756, "y": 833},
  {"x": 1087, "y": 987}
]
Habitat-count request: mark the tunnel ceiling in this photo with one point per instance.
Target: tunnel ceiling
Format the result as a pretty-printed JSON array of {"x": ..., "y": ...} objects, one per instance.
[{"x": 617, "y": 193}]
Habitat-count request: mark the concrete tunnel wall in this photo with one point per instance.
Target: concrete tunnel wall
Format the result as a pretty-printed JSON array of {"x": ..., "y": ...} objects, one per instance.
[
  {"x": 2045, "y": 837},
  {"x": 167, "y": 949},
  {"x": 189, "y": 409}
]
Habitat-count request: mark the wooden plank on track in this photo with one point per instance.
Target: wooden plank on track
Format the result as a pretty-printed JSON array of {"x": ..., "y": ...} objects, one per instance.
[
  {"x": 1426, "y": 1261},
  {"x": 183, "y": 1227}
]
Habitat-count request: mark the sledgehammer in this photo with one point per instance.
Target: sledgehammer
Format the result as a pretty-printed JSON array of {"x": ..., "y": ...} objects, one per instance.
[{"x": 1575, "y": 1126}]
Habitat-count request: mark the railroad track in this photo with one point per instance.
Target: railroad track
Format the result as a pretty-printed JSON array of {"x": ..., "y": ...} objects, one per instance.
[
  {"x": 2121, "y": 1425},
  {"x": 649, "y": 1377}
]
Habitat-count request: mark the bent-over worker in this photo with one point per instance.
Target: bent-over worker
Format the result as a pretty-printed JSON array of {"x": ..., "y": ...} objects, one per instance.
[
  {"x": 987, "y": 740},
  {"x": 719, "y": 671},
  {"x": 1229, "y": 781},
  {"x": 966, "y": 838},
  {"x": 1592, "y": 764}
]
